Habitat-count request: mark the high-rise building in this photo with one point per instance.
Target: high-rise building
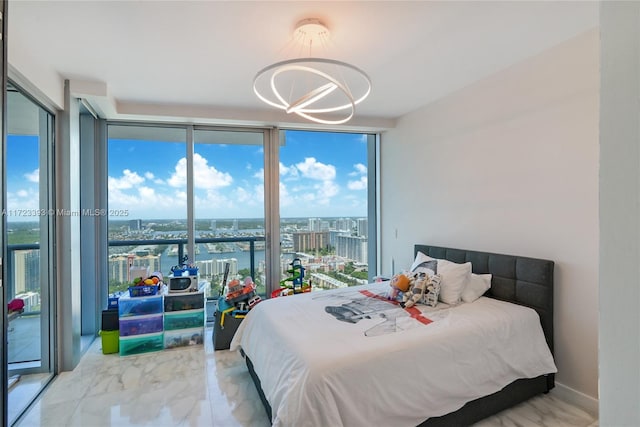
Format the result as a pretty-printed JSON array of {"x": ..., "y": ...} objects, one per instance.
[
  {"x": 362, "y": 227},
  {"x": 119, "y": 265},
  {"x": 235, "y": 225},
  {"x": 135, "y": 225},
  {"x": 314, "y": 224},
  {"x": 344, "y": 224},
  {"x": 213, "y": 225},
  {"x": 352, "y": 247},
  {"x": 27, "y": 271},
  {"x": 310, "y": 241}
]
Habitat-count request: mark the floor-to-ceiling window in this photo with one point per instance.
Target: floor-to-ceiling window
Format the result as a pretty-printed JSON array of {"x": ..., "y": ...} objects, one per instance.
[
  {"x": 326, "y": 208},
  {"x": 179, "y": 194},
  {"x": 199, "y": 192},
  {"x": 147, "y": 198},
  {"x": 29, "y": 223},
  {"x": 228, "y": 182}
]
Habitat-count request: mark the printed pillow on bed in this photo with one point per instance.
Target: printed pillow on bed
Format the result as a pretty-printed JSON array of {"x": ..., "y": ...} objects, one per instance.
[
  {"x": 424, "y": 264},
  {"x": 477, "y": 286},
  {"x": 454, "y": 277}
]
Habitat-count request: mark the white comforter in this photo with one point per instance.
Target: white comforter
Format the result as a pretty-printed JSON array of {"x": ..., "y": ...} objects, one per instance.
[{"x": 388, "y": 368}]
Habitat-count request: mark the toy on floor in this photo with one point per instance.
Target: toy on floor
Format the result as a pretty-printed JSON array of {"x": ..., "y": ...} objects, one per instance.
[{"x": 242, "y": 295}]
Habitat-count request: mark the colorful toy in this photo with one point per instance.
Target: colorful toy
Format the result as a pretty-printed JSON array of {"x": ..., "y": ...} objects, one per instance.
[
  {"x": 296, "y": 282},
  {"x": 424, "y": 289},
  {"x": 400, "y": 283},
  {"x": 242, "y": 295}
]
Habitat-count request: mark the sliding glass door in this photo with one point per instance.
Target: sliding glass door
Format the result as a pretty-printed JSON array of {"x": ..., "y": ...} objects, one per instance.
[
  {"x": 228, "y": 183},
  {"x": 3, "y": 304},
  {"x": 147, "y": 196},
  {"x": 29, "y": 233}
]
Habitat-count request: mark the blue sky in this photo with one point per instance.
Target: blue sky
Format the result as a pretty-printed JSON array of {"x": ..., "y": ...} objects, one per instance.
[
  {"x": 321, "y": 174},
  {"x": 22, "y": 177}
]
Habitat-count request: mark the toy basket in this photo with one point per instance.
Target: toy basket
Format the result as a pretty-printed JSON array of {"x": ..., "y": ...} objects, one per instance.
[{"x": 143, "y": 291}]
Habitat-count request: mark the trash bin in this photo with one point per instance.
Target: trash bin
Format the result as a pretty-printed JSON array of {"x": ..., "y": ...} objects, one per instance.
[{"x": 110, "y": 341}]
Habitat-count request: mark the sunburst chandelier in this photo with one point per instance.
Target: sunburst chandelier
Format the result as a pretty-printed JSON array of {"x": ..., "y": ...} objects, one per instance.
[{"x": 321, "y": 90}]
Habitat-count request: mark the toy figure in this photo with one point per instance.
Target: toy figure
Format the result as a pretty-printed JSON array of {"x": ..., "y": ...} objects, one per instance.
[
  {"x": 399, "y": 283},
  {"x": 424, "y": 288}
]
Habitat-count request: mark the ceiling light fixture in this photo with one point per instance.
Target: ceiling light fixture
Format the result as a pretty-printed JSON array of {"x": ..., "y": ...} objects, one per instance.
[{"x": 312, "y": 87}]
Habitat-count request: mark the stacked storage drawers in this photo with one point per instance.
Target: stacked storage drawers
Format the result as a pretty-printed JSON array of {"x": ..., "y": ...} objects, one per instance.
[
  {"x": 141, "y": 324},
  {"x": 183, "y": 319}
]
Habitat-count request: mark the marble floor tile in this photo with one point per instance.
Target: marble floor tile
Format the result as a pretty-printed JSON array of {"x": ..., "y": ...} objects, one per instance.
[{"x": 197, "y": 386}]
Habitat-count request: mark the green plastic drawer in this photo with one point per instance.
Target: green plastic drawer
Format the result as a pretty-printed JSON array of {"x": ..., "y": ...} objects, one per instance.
[
  {"x": 137, "y": 344},
  {"x": 185, "y": 319}
]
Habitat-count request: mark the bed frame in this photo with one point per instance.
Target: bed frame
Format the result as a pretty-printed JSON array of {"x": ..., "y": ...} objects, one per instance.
[{"x": 516, "y": 279}]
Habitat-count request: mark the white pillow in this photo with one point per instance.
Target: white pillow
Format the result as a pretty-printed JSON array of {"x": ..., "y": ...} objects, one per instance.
[
  {"x": 476, "y": 287},
  {"x": 454, "y": 277}
]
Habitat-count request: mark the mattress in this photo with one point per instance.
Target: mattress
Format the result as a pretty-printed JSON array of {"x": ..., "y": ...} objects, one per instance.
[{"x": 350, "y": 357}]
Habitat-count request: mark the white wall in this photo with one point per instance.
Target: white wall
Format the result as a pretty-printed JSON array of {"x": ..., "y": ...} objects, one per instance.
[
  {"x": 510, "y": 165},
  {"x": 620, "y": 215}
]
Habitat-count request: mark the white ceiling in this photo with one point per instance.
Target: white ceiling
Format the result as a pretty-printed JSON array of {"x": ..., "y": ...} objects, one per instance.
[{"x": 197, "y": 59}]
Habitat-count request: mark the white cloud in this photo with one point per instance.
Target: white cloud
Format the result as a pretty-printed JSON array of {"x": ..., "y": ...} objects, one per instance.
[
  {"x": 313, "y": 169},
  {"x": 149, "y": 175},
  {"x": 127, "y": 180},
  {"x": 33, "y": 176},
  {"x": 360, "y": 169},
  {"x": 290, "y": 171},
  {"x": 205, "y": 176},
  {"x": 361, "y": 184},
  {"x": 327, "y": 190},
  {"x": 23, "y": 199},
  {"x": 259, "y": 174}
]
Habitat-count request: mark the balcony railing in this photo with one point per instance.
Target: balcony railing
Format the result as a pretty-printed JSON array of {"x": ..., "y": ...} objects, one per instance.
[
  {"x": 182, "y": 242},
  {"x": 12, "y": 249}
]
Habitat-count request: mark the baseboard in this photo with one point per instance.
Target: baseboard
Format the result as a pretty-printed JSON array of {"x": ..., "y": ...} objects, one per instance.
[{"x": 576, "y": 398}]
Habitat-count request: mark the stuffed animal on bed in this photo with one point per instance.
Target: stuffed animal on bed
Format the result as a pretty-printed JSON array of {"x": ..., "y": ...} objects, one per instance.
[
  {"x": 425, "y": 290},
  {"x": 399, "y": 283}
]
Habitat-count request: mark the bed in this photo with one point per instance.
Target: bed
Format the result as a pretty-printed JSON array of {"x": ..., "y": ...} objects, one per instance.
[{"x": 308, "y": 373}]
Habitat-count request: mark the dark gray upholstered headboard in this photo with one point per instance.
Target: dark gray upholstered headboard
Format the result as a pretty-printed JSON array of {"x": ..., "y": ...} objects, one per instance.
[{"x": 521, "y": 280}]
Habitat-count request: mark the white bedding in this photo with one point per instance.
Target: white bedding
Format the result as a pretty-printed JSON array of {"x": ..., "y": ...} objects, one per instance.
[{"x": 390, "y": 368}]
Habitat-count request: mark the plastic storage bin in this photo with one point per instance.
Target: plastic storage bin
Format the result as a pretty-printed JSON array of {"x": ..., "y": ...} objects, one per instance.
[
  {"x": 137, "y": 344},
  {"x": 110, "y": 340},
  {"x": 138, "y": 325},
  {"x": 184, "y": 319},
  {"x": 177, "y": 302},
  {"x": 113, "y": 303},
  {"x": 140, "y": 306},
  {"x": 110, "y": 320},
  {"x": 143, "y": 291},
  {"x": 183, "y": 337}
]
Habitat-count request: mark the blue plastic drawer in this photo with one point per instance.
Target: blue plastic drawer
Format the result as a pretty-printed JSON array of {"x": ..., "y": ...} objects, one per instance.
[
  {"x": 138, "y": 325},
  {"x": 137, "y": 344},
  {"x": 184, "y": 319},
  {"x": 139, "y": 306}
]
